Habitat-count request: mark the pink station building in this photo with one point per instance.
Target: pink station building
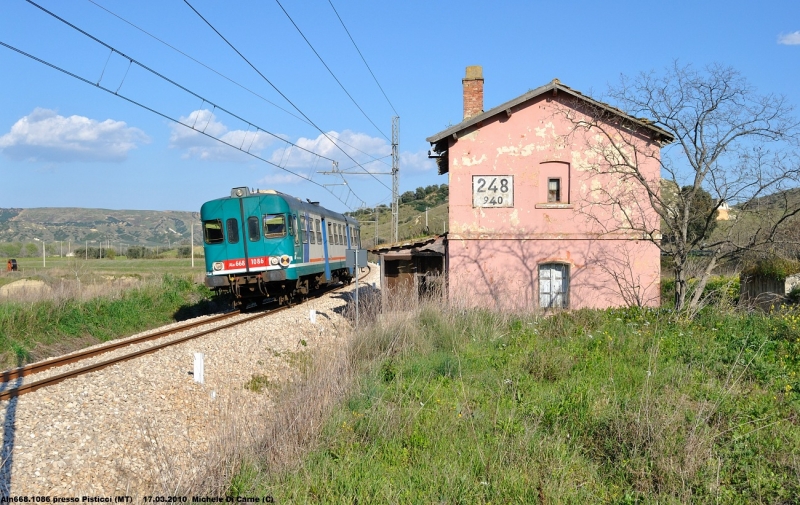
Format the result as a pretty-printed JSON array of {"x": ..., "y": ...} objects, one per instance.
[{"x": 528, "y": 226}]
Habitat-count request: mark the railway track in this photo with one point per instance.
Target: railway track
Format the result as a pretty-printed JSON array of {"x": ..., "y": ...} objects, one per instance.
[{"x": 34, "y": 368}]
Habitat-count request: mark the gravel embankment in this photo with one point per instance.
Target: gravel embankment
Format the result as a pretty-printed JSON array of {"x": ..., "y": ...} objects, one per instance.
[{"x": 145, "y": 426}]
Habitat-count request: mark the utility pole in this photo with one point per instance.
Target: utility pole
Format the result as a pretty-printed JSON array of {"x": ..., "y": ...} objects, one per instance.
[
  {"x": 395, "y": 169},
  {"x": 191, "y": 245}
]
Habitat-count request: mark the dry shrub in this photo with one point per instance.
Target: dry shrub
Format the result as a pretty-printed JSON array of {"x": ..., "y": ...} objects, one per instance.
[
  {"x": 665, "y": 447},
  {"x": 289, "y": 427},
  {"x": 279, "y": 433},
  {"x": 59, "y": 290}
]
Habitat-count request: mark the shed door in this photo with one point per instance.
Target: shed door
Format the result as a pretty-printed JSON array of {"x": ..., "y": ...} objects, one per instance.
[{"x": 553, "y": 285}]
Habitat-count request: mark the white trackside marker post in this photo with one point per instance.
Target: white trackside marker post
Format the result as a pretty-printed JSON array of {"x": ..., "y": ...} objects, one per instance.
[
  {"x": 198, "y": 368},
  {"x": 312, "y": 315},
  {"x": 356, "y": 272}
]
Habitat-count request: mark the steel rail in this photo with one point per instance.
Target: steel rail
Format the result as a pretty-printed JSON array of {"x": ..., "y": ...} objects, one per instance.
[
  {"x": 41, "y": 366},
  {"x": 55, "y": 379}
]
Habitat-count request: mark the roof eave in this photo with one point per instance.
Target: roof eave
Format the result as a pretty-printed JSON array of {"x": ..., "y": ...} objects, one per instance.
[{"x": 456, "y": 129}]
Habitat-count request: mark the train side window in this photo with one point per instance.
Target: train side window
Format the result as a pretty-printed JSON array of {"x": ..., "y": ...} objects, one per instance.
[
  {"x": 318, "y": 229},
  {"x": 253, "y": 230},
  {"x": 341, "y": 236},
  {"x": 292, "y": 219},
  {"x": 310, "y": 231},
  {"x": 274, "y": 225},
  {"x": 330, "y": 233},
  {"x": 293, "y": 227},
  {"x": 232, "y": 225},
  {"x": 212, "y": 231}
]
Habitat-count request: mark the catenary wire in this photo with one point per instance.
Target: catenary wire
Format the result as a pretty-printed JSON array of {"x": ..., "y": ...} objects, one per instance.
[
  {"x": 166, "y": 116},
  {"x": 362, "y": 57},
  {"x": 225, "y": 77},
  {"x": 280, "y": 92},
  {"x": 329, "y": 70},
  {"x": 145, "y": 67}
]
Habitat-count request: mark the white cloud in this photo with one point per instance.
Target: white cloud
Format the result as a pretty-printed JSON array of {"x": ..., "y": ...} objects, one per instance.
[
  {"x": 352, "y": 143},
  {"x": 43, "y": 135},
  {"x": 361, "y": 147},
  {"x": 197, "y": 145},
  {"x": 281, "y": 178},
  {"x": 416, "y": 162},
  {"x": 790, "y": 39}
]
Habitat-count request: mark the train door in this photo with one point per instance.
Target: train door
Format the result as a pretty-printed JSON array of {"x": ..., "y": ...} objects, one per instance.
[
  {"x": 221, "y": 235},
  {"x": 325, "y": 249},
  {"x": 306, "y": 224},
  {"x": 297, "y": 236},
  {"x": 252, "y": 242}
]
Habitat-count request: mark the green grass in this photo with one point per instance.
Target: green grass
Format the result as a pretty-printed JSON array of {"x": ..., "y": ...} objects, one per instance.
[
  {"x": 618, "y": 406},
  {"x": 89, "y": 269},
  {"x": 720, "y": 289},
  {"x": 26, "y": 328}
]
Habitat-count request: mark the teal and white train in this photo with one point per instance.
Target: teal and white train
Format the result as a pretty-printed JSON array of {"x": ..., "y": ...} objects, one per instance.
[{"x": 267, "y": 245}]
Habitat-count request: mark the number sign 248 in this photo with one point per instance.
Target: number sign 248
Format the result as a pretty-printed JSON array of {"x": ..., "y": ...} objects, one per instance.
[{"x": 492, "y": 190}]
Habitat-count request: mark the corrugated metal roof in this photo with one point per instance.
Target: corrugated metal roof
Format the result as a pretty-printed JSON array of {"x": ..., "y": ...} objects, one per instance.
[
  {"x": 406, "y": 244},
  {"x": 555, "y": 84}
]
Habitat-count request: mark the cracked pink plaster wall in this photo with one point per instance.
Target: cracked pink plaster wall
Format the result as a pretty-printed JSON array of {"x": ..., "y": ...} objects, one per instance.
[{"x": 494, "y": 253}]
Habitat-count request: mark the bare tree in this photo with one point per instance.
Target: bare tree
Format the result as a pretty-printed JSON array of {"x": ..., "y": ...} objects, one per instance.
[{"x": 727, "y": 140}]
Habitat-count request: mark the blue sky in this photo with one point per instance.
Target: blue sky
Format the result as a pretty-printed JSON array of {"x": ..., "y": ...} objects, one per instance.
[{"x": 65, "y": 143}]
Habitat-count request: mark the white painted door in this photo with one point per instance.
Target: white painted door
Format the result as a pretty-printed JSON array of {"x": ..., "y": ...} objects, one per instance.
[{"x": 553, "y": 285}]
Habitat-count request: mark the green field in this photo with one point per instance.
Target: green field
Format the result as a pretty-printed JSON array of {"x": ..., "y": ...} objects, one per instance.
[
  {"x": 614, "y": 406},
  {"x": 78, "y": 303},
  {"x": 97, "y": 270}
]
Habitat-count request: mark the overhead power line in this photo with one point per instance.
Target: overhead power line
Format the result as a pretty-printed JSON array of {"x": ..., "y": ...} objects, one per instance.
[
  {"x": 280, "y": 92},
  {"x": 138, "y": 63},
  {"x": 329, "y": 70},
  {"x": 166, "y": 116},
  {"x": 362, "y": 57},
  {"x": 373, "y": 158},
  {"x": 153, "y": 72}
]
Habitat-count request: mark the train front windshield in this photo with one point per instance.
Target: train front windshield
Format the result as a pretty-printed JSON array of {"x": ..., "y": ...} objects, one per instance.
[
  {"x": 274, "y": 225},
  {"x": 212, "y": 231}
]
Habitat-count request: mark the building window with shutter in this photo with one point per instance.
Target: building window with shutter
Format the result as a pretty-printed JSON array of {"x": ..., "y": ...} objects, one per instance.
[
  {"x": 553, "y": 190},
  {"x": 554, "y": 286}
]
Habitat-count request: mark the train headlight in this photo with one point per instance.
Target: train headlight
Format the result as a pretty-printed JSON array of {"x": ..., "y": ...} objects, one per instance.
[
  {"x": 273, "y": 260},
  {"x": 285, "y": 260},
  {"x": 218, "y": 265}
]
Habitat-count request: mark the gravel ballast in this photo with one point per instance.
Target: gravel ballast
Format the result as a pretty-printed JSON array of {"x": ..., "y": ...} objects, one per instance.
[{"x": 145, "y": 426}]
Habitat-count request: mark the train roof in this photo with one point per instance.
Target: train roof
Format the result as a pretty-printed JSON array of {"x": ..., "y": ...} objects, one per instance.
[{"x": 295, "y": 202}]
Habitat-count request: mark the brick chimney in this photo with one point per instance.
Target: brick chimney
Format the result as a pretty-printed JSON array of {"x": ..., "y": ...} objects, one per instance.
[{"x": 473, "y": 91}]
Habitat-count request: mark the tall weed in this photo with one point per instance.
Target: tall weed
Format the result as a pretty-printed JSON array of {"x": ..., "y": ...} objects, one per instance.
[
  {"x": 33, "y": 330},
  {"x": 622, "y": 405}
]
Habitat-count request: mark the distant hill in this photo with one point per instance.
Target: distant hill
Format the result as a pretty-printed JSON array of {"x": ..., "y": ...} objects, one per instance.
[
  {"x": 76, "y": 225},
  {"x": 170, "y": 228},
  {"x": 411, "y": 216}
]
